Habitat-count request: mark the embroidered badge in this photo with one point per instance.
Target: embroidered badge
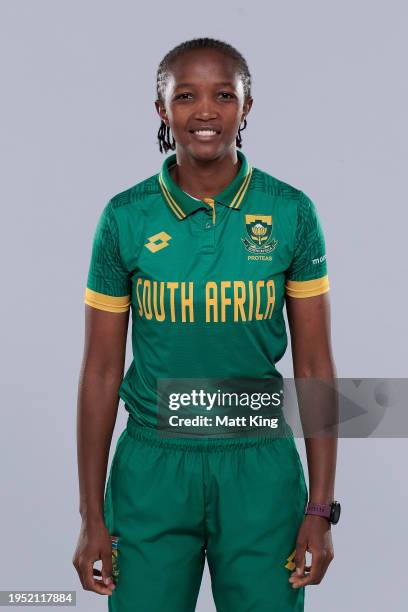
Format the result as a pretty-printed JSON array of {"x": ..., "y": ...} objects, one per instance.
[{"x": 259, "y": 234}]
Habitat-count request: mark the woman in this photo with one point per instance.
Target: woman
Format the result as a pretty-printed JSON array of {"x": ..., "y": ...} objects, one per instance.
[{"x": 205, "y": 253}]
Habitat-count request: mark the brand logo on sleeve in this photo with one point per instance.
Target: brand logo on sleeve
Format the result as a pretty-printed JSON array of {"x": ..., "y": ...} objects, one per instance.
[
  {"x": 318, "y": 260},
  {"x": 157, "y": 242},
  {"x": 259, "y": 234}
]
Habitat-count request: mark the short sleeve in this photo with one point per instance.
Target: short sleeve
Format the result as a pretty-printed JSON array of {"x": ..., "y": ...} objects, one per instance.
[
  {"x": 307, "y": 274},
  {"x": 108, "y": 284}
]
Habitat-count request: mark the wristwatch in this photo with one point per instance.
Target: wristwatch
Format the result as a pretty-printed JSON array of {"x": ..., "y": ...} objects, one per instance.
[{"x": 329, "y": 511}]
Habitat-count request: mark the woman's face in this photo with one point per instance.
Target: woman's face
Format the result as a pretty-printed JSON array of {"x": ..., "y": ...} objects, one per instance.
[{"x": 204, "y": 92}]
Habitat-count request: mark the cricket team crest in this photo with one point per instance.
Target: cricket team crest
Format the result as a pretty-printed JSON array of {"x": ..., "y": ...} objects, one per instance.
[{"x": 259, "y": 234}]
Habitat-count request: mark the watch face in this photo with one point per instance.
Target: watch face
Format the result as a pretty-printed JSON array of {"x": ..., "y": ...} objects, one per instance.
[{"x": 335, "y": 512}]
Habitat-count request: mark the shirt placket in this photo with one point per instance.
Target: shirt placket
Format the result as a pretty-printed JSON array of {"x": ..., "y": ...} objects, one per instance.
[{"x": 208, "y": 228}]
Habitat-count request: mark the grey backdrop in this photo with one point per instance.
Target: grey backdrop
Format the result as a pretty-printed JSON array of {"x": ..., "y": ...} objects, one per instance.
[{"x": 79, "y": 125}]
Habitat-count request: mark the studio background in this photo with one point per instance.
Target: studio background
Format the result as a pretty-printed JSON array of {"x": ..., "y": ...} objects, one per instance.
[{"x": 79, "y": 125}]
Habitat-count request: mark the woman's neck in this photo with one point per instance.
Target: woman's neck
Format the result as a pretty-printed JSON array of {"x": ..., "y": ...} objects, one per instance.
[{"x": 204, "y": 179}]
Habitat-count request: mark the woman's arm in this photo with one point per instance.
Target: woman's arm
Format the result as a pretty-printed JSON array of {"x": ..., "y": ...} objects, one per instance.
[
  {"x": 100, "y": 379},
  {"x": 309, "y": 322}
]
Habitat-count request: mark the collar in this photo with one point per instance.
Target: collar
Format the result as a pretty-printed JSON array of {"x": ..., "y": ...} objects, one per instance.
[{"x": 182, "y": 204}]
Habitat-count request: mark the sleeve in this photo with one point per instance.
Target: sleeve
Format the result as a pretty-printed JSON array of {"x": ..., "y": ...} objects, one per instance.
[
  {"x": 108, "y": 284},
  {"x": 307, "y": 274}
]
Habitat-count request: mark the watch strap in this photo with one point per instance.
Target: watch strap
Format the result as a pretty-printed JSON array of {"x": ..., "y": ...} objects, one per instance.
[{"x": 318, "y": 509}]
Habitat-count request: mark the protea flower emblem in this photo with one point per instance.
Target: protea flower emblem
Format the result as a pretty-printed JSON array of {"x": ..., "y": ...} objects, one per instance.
[{"x": 259, "y": 231}]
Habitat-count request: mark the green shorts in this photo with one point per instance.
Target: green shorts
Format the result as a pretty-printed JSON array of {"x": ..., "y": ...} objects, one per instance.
[{"x": 172, "y": 502}]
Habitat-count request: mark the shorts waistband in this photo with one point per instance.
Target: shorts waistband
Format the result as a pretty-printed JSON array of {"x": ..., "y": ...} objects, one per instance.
[{"x": 155, "y": 437}]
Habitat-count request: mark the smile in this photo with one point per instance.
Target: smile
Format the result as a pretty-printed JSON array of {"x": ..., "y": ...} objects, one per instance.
[{"x": 204, "y": 133}]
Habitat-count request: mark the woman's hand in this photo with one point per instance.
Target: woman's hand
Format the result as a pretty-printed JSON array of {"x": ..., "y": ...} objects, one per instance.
[
  {"x": 315, "y": 537},
  {"x": 94, "y": 543}
]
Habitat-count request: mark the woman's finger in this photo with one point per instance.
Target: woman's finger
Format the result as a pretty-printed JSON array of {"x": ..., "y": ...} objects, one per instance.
[
  {"x": 90, "y": 584},
  {"x": 317, "y": 571}
]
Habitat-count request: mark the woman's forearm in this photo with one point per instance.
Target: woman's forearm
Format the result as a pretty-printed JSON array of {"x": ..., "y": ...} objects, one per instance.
[
  {"x": 321, "y": 459},
  {"x": 96, "y": 415},
  {"x": 318, "y": 404}
]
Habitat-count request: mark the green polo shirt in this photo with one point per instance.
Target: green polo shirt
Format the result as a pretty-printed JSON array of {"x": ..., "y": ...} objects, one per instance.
[{"x": 206, "y": 281}]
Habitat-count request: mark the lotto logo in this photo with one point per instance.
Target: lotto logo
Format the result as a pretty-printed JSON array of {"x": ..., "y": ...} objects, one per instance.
[{"x": 157, "y": 242}]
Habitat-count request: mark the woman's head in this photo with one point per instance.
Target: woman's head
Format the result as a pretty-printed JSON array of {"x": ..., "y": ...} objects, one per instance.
[{"x": 202, "y": 83}]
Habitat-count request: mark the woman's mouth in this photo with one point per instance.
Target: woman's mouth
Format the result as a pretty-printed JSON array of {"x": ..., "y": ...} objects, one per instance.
[{"x": 205, "y": 134}]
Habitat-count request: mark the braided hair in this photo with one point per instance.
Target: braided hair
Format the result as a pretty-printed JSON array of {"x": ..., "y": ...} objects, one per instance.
[{"x": 164, "y": 70}]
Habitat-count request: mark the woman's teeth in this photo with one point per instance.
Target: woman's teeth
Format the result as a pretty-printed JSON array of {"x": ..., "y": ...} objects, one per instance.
[{"x": 205, "y": 132}]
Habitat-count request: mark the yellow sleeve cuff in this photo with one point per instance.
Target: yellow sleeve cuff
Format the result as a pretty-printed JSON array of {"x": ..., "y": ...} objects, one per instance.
[
  {"x": 110, "y": 303},
  {"x": 309, "y": 288}
]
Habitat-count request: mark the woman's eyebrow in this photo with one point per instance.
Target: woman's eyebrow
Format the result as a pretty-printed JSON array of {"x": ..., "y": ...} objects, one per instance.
[
  {"x": 184, "y": 85},
  {"x": 219, "y": 84}
]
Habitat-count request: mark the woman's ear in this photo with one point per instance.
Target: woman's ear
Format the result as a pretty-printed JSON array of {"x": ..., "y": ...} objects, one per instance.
[
  {"x": 247, "y": 107},
  {"x": 161, "y": 111}
]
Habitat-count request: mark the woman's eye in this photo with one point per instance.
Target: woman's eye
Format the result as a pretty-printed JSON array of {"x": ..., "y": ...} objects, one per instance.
[
  {"x": 183, "y": 96},
  {"x": 226, "y": 94}
]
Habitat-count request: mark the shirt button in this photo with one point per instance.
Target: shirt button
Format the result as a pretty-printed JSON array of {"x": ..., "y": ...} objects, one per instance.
[{"x": 207, "y": 225}]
